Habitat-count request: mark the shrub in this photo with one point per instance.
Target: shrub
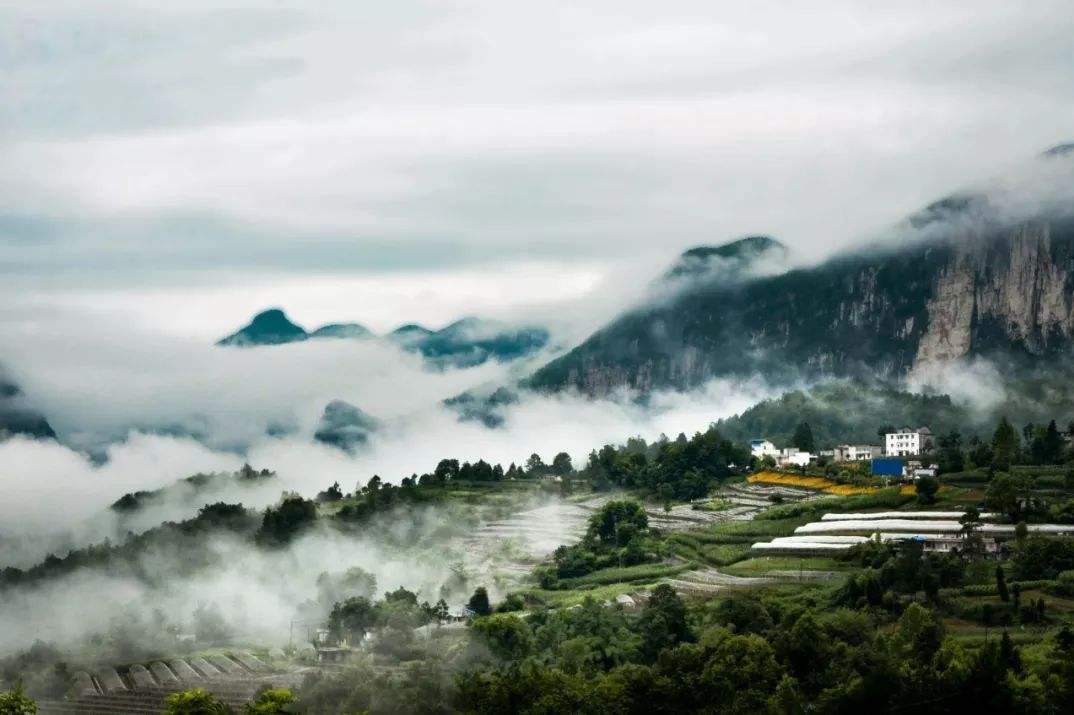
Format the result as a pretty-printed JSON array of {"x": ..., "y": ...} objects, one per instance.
[
  {"x": 194, "y": 702},
  {"x": 15, "y": 702},
  {"x": 271, "y": 702}
]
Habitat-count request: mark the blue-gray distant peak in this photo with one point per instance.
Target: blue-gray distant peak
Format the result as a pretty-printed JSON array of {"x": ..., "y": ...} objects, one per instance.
[
  {"x": 269, "y": 327},
  {"x": 345, "y": 426},
  {"x": 736, "y": 255},
  {"x": 1065, "y": 149},
  {"x": 351, "y": 331}
]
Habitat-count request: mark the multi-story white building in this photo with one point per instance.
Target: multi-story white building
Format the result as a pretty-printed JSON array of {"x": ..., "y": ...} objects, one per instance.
[
  {"x": 908, "y": 442},
  {"x": 761, "y": 448}
]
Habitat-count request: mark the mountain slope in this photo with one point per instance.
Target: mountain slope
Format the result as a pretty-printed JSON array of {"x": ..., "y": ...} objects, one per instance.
[{"x": 974, "y": 281}]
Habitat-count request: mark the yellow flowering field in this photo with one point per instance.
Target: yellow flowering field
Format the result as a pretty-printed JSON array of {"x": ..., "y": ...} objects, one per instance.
[{"x": 819, "y": 483}]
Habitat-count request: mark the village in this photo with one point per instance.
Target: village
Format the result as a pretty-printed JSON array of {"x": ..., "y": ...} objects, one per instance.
[
  {"x": 904, "y": 454},
  {"x": 907, "y": 458}
]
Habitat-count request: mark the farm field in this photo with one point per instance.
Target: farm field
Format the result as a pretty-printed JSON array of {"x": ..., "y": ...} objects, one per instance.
[{"x": 820, "y": 484}]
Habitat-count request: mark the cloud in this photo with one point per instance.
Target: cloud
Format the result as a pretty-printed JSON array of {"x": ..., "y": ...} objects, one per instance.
[{"x": 294, "y": 137}]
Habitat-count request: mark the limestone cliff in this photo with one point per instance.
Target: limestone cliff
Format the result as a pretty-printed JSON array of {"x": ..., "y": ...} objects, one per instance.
[{"x": 986, "y": 288}]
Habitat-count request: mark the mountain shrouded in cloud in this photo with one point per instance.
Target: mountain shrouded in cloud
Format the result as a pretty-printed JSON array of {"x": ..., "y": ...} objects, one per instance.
[
  {"x": 16, "y": 417},
  {"x": 465, "y": 343},
  {"x": 269, "y": 327},
  {"x": 344, "y": 426},
  {"x": 351, "y": 331},
  {"x": 973, "y": 276}
]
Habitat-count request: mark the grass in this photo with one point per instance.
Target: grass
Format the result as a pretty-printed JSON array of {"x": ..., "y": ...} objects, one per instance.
[
  {"x": 757, "y": 527},
  {"x": 765, "y": 564},
  {"x": 708, "y": 548},
  {"x": 624, "y": 574},
  {"x": 571, "y": 597},
  {"x": 889, "y": 498},
  {"x": 713, "y": 505}
]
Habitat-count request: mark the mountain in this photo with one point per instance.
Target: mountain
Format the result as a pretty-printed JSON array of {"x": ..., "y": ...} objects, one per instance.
[
  {"x": 410, "y": 335},
  {"x": 344, "y": 426},
  {"x": 352, "y": 331},
  {"x": 464, "y": 343},
  {"x": 269, "y": 327},
  {"x": 970, "y": 278},
  {"x": 472, "y": 341},
  {"x": 16, "y": 417},
  {"x": 469, "y": 342},
  {"x": 730, "y": 261}
]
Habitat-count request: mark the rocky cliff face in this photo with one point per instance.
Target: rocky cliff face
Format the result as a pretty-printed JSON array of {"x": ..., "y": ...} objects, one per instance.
[
  {"x": 995, "y": 288},
  {"x": 1012, "y": 292}
]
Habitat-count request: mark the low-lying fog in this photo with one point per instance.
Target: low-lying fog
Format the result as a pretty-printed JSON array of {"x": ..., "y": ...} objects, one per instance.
[{"x": 101, "y": 390}]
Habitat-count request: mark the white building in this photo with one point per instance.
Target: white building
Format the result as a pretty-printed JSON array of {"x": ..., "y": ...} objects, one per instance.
[
  {"x": 761, "y": 448},
  {"x": 855, "y": 452},
  {"x": 908, "y": 442},
  {"x": 792, "y": 456}
]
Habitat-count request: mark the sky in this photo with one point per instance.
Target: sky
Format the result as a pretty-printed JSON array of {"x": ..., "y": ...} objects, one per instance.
[{"x": 190, "y": 163}]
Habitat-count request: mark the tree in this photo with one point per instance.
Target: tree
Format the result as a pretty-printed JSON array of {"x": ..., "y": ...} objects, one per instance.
[
  {"x": 663, "y": 622},
  {"x": 446, "y": 470},
  {"x": 1001, "y": 584},
  {"x": 194, "y": 702},
  {"x": 507, "y": 636},
  {"x": 803, "y": 437},
  {"x": 562, "y": 464},
  {"x": 535, "y": 466},
  {"x": 479, "y": 603},
  {"x": 616, "y": 522},
  {"x": 1002, "y": 496},
  {"x": 332, "y": 493},
  {"x": 926, "y": 489},
  {"x": 285, "y": 521},
  {"x": 351, "y": 619},
  {"x": 1005, "y": 445},
  {"x": 1053, "y": 444},
  {"x": 950, "y": 456},
  {"x": 15, "y": 702}
]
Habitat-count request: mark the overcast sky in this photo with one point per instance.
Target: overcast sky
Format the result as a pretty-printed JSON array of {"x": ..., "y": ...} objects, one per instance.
[{"x": 418, "y": 160}]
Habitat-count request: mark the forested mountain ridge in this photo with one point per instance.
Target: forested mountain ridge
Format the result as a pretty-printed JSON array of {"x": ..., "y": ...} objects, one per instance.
[{"x": 973, "y": 281}]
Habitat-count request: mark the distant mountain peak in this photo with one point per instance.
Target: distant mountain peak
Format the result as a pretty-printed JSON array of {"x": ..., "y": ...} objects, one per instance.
[
  {"x": 736, "y": 255},
  {"x": 269, "y": 327},
  {"x": 412, "y": 329},
  {"x": 1064, "y": 149},
  {"x": 352, "y": 331},
  {"x": 345, "y": 426}
]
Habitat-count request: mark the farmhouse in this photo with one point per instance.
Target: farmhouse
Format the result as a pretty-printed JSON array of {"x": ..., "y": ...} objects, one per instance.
[
  {"x": 855, "y": 452},
  {"x": 908, "y": 442},
  {"x": 761, "y": 448},
  {"x": 793, "y": 456}
]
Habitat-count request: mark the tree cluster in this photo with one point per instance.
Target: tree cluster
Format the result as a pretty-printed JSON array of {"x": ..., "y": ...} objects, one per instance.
[{"x": 681, "y": 468}]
